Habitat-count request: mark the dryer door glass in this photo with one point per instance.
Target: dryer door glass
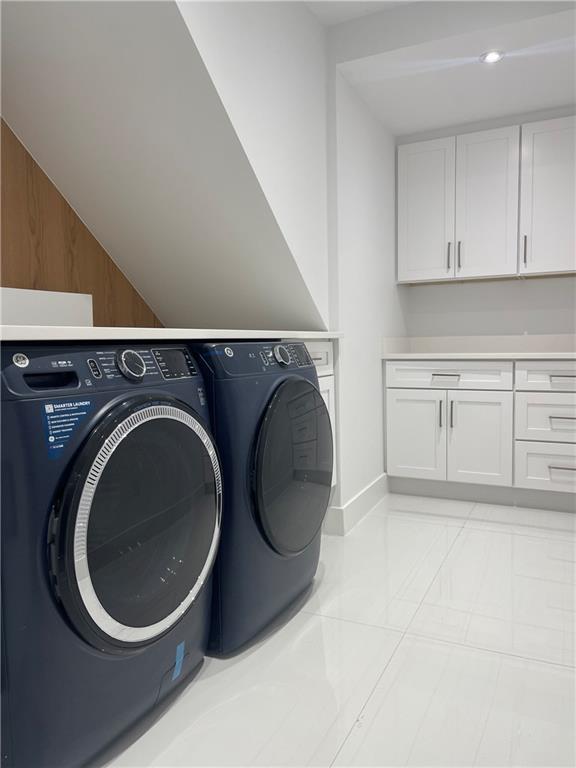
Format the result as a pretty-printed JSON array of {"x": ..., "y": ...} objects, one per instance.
[
  {"x": 146, "y": 519},
  {"x": 293, "y": 466}
]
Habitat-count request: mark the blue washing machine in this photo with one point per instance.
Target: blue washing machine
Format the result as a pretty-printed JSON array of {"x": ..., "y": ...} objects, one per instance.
[
  {"x": 111, "y": 511},
  {"x": 274, "y": 436}
]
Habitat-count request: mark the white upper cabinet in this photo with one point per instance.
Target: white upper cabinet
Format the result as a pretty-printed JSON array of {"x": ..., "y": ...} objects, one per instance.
[
  {"x": 426, "y": 183},
  {"x": 548, "y": 201},
  {"x": 487, "y": 167},
  {"x": 461, "y": 199}
]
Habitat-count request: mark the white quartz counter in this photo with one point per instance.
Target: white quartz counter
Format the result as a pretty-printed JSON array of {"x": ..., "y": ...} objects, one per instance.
[
  {"x": 69, "y": 333},
  {"x": 479, "y": 356}
]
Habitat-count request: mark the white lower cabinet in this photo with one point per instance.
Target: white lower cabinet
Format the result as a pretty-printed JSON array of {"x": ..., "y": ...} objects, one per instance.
[
  {"x": 493, "y": 423},
  {"x": 416, "y": 434},
  {"x": 480, "y": 437},
  {"x": 450, "y": 435},
  {"x": 326, "y": 386}
]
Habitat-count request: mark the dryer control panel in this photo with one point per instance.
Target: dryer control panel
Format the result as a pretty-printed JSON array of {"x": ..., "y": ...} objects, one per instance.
[
  {"x": 38, "y": 371},
  {"x": 248, "y": 358}
]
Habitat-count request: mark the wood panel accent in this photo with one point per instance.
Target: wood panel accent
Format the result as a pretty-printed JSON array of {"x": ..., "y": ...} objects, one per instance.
[{"x": 46, "y": 246}]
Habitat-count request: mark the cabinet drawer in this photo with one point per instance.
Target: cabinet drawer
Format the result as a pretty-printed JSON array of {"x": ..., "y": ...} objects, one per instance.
[
  {"x": 547, "y": 376},
  {"x": 449, "y": 375},
  {"x": 326, "y": 387},
  {"x": 322, "y": 354},
  {"x": 545, "y": 466},
  {"x": 547, "y": 416}
]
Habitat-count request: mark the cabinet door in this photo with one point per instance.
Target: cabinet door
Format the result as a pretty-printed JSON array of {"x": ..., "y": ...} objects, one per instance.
[
  {"x": 426, "y": 179},
  {"x": 480, "y": 437},
  {"x": 416, "y": 433},
  {"x": 487, "y": 174},
  {"x": 326, "y": 387},
  {"x": 547, "y": 198}
]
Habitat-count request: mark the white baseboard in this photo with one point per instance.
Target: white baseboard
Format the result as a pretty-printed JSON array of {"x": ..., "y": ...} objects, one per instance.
[
  {"x": 340, "y": 520},
  {"x": 484, "y": 494}
]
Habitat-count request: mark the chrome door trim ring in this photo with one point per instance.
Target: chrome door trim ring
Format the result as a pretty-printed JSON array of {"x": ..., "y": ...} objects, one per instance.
[{"x": 103, "y": 620}]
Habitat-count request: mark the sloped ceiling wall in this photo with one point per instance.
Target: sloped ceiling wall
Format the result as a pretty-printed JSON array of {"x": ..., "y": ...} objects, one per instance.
[
  {"x": 115, "y": 104},
  {"x": 268, "y": 63}
]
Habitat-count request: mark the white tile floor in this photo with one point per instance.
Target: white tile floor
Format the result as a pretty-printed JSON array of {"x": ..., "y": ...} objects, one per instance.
[{"x": 438, "y": 633}]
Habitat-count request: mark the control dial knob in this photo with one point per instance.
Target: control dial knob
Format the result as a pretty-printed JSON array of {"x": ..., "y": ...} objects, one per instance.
[
  {"x": 131, "y": 364},
  {"x": 281, "y": 355}
]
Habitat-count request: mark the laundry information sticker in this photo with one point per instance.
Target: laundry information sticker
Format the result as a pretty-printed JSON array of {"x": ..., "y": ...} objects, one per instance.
[{"x": 60, "y": 422}]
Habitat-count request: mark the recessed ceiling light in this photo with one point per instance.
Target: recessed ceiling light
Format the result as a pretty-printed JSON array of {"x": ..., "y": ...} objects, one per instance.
[{"x": 491, "y": 57}]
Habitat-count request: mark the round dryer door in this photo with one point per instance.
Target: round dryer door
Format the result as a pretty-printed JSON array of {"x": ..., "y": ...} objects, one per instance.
[
  {"x": 135, "y": 534},
  {"x": 293, "y": 466}
]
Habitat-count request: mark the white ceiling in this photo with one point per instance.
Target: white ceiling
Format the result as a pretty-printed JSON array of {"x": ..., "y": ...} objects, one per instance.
[
  {"x": 441, "y": 83},
  {"x": 330, "y": 13}
]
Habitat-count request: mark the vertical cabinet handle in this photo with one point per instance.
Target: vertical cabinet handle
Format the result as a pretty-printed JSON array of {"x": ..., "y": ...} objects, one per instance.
[
  {"x": 459, "y": 254},
  {"x": 448, "y": 256},
  {"x": 440, "y": 419},
  {"x": 451, "y": 414},
  {"x": 525, "y": 251}
]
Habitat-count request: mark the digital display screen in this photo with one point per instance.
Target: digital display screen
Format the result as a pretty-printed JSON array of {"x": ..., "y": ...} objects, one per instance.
[{"x": 173, "y": 363}]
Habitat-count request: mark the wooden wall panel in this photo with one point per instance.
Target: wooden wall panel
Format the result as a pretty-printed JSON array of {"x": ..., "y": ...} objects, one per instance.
[{"x": 46, "y": 246}]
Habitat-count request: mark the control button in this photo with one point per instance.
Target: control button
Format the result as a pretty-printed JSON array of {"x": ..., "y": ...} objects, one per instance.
[
  {"x": 229, "y": 352},
  {"x": 264, "y": 358},
  {"x": 20, "y": 360},
  {"x": 94, "y": 369},
  {"x": 281, "y": 354},
  {"x": 131, "y": 364}
]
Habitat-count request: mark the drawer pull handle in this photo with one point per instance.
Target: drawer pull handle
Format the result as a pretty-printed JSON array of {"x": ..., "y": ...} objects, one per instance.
[
  {"x": 563, "y": 375},
  {"x": 447, "y": 375},
  {"x": 459, "y": 254},
  {"x": 562, "y": 418},
  {"x": 559, "y": 466},
  {"x": 448, "y": 256},
  {"x": 440, "y": 420},
  {"x": 451, "y": 414}
]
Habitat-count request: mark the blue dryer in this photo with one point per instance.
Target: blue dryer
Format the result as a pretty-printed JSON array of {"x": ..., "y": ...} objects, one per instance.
[
  {"x": 274, "y": 437},
  {"x": 111, "y": 510}
]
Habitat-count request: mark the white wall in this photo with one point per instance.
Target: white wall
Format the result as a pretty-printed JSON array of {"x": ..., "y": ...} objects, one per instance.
[
  {"x": 539, "y": 305},
  {"x": 368, "y": 302},
  {"x": 19, "y": 306},
  {"x": 268, "y": 64}
]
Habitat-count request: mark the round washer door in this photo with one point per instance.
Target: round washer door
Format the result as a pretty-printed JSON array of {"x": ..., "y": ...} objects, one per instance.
[
  {"x": 136, "y": 532},
  {"x": 293, "y": 466}
]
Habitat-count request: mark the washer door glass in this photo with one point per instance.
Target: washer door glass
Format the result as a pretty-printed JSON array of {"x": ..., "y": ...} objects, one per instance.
[
  {"x": 147, "y": 520},
  {"x": 293, "y": 466}
]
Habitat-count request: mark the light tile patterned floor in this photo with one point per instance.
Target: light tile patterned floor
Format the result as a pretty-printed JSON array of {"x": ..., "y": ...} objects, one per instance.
[{"x": 438, "y": 633}]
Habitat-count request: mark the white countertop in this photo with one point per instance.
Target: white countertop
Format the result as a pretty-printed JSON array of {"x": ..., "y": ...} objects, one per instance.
[
  {"x": 69, "y": 333},
  {"x": 479, "y": 356}
]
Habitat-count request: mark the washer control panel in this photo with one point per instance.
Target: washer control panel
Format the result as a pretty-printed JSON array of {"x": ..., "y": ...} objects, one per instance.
[
  {"x": 83, "y": 368},
  {"x": 244, "y": 358},
  {"x": 116, "y": 365}
]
